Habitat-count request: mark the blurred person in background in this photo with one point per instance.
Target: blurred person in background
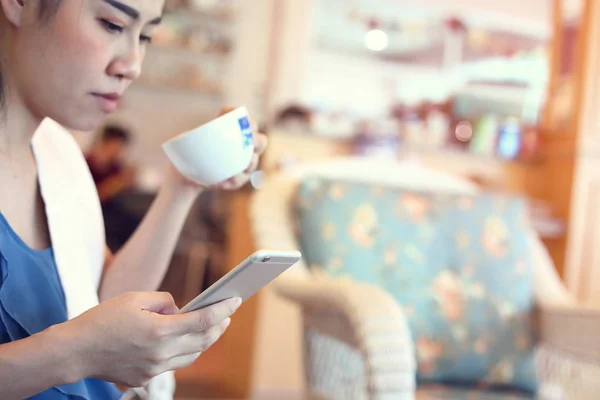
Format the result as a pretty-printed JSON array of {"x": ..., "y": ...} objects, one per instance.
[
  {"x": 295, "y": 118},
  {"x": 106, "y": 160},
  {"x": 113, "y": 179}
]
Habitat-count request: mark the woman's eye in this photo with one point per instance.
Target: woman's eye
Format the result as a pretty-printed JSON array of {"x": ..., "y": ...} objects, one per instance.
[
  {"x": 112, "y": 27},
  {"x": 145, "y": 39}
]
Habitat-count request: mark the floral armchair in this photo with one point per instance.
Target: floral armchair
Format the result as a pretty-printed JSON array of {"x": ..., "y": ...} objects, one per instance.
[{"x": 356, "y": 336}]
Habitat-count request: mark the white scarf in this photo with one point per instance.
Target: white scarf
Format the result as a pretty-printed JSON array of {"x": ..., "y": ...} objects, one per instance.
[{"x": 76, "y": 227}]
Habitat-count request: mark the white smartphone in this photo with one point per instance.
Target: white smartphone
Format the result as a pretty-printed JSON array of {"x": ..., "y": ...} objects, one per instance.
[{"x": 246, "y": 279}]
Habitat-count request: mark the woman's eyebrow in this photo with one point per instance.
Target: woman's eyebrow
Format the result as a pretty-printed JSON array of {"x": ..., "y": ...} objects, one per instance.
[
  {"x": 124, "y": 8},
  {"x": 130, "y": 11}
]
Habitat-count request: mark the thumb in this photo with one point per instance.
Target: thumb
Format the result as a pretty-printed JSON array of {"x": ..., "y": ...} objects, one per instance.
[{"x": 159, "y": 303}]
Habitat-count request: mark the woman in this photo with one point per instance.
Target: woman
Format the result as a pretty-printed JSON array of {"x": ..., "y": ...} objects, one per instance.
[{"x": 69, "y": 61}]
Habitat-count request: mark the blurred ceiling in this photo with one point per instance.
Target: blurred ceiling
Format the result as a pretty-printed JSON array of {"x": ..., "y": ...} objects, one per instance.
[{"x": 417, "y": 30}]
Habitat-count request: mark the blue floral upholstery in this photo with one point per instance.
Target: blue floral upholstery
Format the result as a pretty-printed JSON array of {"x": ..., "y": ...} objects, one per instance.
[{"x": 458, "y": 265}]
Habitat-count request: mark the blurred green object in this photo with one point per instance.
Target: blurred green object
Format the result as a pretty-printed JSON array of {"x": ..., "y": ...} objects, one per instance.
[{"x": 485, "y": 136}]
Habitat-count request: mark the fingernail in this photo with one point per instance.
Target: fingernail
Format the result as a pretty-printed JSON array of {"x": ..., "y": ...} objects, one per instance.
[
  {"x": 238, "y": 301},
  {"x": 226, "y": 323}
]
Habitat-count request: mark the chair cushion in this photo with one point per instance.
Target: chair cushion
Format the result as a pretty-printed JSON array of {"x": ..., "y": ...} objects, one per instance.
[{"x": 458, "y": 265}]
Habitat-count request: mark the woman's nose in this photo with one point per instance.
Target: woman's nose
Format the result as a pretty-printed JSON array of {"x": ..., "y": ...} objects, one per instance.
[{"x": 128, "y": 66}]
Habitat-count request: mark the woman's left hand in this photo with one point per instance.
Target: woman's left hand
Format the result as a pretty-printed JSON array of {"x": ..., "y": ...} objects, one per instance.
[{"x": 236, "y": 182}]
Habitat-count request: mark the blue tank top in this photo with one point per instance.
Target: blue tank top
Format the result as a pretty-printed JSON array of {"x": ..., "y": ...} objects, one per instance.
[{"x": 32, "y": 300}]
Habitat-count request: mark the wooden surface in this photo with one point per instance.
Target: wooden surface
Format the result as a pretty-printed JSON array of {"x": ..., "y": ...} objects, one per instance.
[
  {"x": 224, "y": 371},
  {"x": 554, "y": 180},
  {"x": 582, "y": 250}
]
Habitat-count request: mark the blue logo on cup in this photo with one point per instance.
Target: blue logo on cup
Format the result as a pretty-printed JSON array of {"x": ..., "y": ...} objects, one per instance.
[{"x": 246, "y": 129}]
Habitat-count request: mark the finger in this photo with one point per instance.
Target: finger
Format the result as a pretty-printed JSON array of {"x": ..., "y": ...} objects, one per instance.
[
  {"x": 204, "y": 319},
  {"x": 260, "y": 143},
  {"x": 226, "y": 186},
  {"x": 157, "y": 302},
  {"x": 200, "y": 342},
  {"x": 253, "y": 164},
  {"x": 236, "y": 182},
  {"x": 240, "y": 181}
]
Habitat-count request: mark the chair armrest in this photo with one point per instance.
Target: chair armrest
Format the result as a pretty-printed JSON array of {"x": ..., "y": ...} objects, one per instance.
[
  {"x": 366, "y": 318},
  {"x": 571, "y": 330},
  {"x": 568, "y": 358}
]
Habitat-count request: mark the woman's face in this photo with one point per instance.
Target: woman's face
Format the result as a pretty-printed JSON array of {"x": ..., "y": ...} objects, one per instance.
[{"x": 74, "y": 65}]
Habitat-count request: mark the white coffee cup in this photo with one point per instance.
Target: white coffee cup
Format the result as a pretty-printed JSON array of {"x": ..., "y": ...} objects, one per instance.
[{"x": 216, "y": 151}]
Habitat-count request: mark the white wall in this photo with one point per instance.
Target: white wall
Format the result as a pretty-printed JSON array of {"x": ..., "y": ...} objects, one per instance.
[
  {"x": 327, "y": 79},
  {"x": 306, "y": 74},
  {"x": 291, "y": 31},
  {"x": 248, "y": 74},
  {"x": 369, "y": 86}
]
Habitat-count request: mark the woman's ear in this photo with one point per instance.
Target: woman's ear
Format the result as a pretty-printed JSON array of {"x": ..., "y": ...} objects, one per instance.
[{"x": 14, "y": 10}]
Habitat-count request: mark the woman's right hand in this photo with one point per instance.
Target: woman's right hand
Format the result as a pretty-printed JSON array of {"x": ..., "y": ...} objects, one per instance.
[{"x": 134, "y": 337}]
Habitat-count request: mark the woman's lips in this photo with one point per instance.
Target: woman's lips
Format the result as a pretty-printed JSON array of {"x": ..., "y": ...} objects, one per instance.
[{"x": 108, "y": 102}]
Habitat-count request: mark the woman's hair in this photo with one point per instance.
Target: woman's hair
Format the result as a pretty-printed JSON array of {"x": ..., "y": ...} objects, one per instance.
[{"x": 47, "y": 9}]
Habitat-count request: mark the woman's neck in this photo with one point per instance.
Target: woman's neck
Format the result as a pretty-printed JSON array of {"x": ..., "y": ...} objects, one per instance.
[{"x": 17, "y": 126}]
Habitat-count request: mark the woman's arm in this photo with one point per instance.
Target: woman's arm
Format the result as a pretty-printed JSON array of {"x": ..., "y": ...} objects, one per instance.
[
  {"x": 143, "y": 262},
  {"x": 41, "y": 361}
]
